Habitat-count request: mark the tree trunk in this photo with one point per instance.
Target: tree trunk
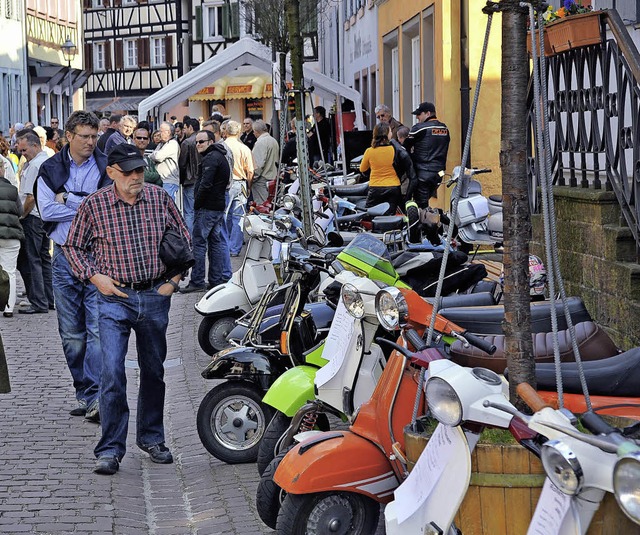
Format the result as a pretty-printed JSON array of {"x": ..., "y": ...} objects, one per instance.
[
  {"x": 292, "y": 8},
  {"x": 517, "y": 219}
]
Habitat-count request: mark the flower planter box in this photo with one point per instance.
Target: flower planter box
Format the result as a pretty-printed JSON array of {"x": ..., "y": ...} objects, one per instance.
[
  {"x": 548, "y": 51},
  {"x": 506, "y": 482},
  {"x": 574, "y": 32}
]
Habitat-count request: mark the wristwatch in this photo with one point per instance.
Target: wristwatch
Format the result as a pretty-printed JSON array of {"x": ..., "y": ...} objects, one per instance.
[
  {"x": 65, "y": 196},
  {"x": 173, "y": 283}
]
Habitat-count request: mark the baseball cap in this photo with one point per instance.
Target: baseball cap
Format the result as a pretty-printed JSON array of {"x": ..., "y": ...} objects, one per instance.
[
  {"x": 126, "y": 156},
  {"x": 424, "y": 108}
]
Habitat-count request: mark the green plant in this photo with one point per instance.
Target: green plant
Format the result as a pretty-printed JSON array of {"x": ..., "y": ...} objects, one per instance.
[{"x": 568, "y": 8}]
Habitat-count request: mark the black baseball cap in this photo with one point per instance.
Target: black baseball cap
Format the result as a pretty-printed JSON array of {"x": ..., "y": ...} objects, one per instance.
[
  {"x": 126, "y": 156},
  {"x": 424, "y": 108}
]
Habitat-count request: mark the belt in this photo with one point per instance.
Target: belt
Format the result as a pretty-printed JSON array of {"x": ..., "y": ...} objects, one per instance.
[{"x": 144, "y": 285}]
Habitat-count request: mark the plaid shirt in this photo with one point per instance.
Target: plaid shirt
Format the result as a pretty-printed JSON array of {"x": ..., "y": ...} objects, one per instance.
[{"x": 122, "y": 241}]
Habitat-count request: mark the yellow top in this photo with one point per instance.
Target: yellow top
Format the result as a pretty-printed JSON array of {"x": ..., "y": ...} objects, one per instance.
[{"x": 380, "y": 161}]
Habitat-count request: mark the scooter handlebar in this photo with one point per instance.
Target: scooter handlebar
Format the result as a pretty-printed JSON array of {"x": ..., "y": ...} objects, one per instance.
[
  {"x": 415, "y": 340},
  {"x": 480, "y": 343},
  {"x": 594, "y": 423},
  {"x": 531, "y": 397}
]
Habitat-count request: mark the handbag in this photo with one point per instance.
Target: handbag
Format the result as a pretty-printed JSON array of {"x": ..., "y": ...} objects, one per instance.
[{"x": 175, "y": 252}]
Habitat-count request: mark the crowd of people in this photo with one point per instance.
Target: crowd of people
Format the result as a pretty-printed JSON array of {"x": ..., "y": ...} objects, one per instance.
[{"x": 101, "y": 194}]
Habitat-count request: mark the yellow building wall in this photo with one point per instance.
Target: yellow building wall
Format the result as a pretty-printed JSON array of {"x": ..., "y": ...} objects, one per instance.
[{"x": 485, "y": 144}]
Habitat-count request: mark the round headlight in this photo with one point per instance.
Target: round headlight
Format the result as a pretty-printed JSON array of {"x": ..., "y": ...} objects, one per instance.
[
  {"x": 352, "y": 300},
  {"x": 562, "y": 467},
  {"x": 443, "y": 402},
  {"x": 288, "y": 202},
  {"x": 392, "y": 309},
  {"x": 626, "y": 485}
]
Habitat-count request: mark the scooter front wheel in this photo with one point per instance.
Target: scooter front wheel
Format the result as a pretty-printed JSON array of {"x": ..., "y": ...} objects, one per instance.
[
  {"x": 267, "y": 449},
  {"x": 213, "y": 332},
  {"x": 269, "y": 496},
  {"x": 231, "y": 421},
  {"x": 328, "y": 512}
]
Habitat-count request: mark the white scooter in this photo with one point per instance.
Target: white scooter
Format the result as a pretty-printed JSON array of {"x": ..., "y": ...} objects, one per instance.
[{"x": 224, "y": 304}]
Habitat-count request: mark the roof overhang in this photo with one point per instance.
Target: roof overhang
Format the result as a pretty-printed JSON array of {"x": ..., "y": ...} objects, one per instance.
[{"x": 246, "y": 51}]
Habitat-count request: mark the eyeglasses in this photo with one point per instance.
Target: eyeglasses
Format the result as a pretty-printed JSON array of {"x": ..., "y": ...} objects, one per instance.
[
  {"x": 136, "y": 171},
  {"x": 54, "y": 122},
  {"x": 202, "y": 141},
  {"x": 141, "y": 138},
  {"x": 86, "y": 137}
]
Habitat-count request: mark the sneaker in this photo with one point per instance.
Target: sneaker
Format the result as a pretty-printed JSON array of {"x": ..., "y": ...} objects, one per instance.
[
  {"x": 159, "y": 453},
  {"x": 190, "y": 288},
  {"x": 107, "y": 465},
  {"x": 93, "y": 412},
  {"x": 80, "y": 410}
]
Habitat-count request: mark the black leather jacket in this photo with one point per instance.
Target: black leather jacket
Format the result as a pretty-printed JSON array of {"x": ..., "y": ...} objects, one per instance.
[{"x": 428, "y": 144}]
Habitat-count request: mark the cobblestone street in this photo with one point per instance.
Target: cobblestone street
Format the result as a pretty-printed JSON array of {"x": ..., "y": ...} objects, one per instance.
[{"x": 46, "y": 479}]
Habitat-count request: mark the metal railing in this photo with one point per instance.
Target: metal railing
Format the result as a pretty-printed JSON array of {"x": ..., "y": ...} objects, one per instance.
[{"x": 594, "y": 120}]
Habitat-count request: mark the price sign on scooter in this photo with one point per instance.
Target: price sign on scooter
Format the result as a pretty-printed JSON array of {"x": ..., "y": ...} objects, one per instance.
[
  {"x": 551, "y": 511},
  {"x": 337, "y": 344},
  {"x": 422, "y": 480}
]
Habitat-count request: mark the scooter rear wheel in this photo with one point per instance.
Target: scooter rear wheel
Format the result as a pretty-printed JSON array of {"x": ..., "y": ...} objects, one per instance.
[
  {"x": 328, "y": 512},
  {"x": 231, "y": 421},
  {"x": 213, "y": 332}
]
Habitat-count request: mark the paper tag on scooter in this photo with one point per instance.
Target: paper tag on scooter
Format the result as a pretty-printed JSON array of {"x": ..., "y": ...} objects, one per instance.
[
  {"x": 337, "y": 343},
  {"x": 551, "y": 511}
]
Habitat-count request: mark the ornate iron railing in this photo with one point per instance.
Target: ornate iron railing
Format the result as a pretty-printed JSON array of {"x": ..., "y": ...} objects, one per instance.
[{"x": 594, "y": 120}]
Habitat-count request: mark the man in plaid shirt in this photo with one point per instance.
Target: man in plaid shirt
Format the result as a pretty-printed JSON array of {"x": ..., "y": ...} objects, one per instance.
[{"x": 114, "y": 242}]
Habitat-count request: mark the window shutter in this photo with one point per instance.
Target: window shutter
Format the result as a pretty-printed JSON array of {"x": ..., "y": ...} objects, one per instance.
[
  {"x": 117, "y": 3},
  {"x": 87, "y": 4},
  {"x": 235, "y": 20},
  {"x": 108, "y": 65},
  {"x": 225, "y": 14},
  {"x": 198, "y": 23},
  {"x": 119, "y": 55},
  {"x": 106, "y": 3},
  {"x": 168, "y": 50},
  {"x": 88, "y": 56},
  {"x": 143, "y": 52}
]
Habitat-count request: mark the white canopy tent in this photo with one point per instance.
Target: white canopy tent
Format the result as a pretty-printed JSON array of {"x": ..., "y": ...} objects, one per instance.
[{"x": 244, "y": 52}]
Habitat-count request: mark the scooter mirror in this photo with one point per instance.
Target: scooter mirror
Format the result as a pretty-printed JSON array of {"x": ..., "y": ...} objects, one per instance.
[{"x": 334, "y": 239}]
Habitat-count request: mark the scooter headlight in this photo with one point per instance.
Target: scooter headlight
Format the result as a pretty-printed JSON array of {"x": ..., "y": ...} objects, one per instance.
[
  {"x": 289, "y": 202},
  {"x": 626, "y": 485},
  {"x": 443, "y": 402},
  {"x": 562, "y": 467},
  {"x": 352, "y": 300},
  {"x": 392, "y": 309}
]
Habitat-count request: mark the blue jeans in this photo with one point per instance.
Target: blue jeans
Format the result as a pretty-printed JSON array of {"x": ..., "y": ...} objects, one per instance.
[
  {"x": 187, "y": 206},
  {"x": 77, "y": 308},
  {"x": 147, "y": 313},
  {"x": 234, "y": 213},
  {"x": 209, "y": 236},
  {"x": 171, "y": 189}
]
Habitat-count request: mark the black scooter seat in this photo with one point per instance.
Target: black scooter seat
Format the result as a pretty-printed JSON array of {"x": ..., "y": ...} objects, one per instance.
[
  {"x": 387, "y": 222},
  {"x": 615, "y": 376},
  {"x": 593, "y": 343},
  {"x": 488, "y": 319},
  {"x": 351, "y": 218},
  {"x": 352, "y": 190},
  {"x": 466, "y": 300}
]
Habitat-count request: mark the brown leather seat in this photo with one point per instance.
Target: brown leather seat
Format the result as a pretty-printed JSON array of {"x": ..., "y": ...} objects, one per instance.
[{"x": 593, "y": 344}]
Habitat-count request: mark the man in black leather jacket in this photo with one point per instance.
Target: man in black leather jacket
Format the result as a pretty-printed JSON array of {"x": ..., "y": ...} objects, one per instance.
[{"x": 428, "y": 144}]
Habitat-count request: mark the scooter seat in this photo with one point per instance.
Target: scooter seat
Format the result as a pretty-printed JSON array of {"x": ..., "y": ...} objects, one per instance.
[
  {"x": 351, "y": 190},
  {"x": 593, "y": 343},
  {"x": 386, "y": 223},
  {"x": 488, "y": 319},
  {"x": 466, "y": 300},
  {"x": 614, "y": 376},
  {"x": 350, "y": 218}
]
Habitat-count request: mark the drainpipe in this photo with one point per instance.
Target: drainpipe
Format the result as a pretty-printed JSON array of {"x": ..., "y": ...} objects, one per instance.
[
  {"x": 179, "y": 37},
  {"x": 465, "y": 90}
]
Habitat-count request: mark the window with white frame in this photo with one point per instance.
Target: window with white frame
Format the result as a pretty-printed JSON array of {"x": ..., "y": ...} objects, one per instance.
[
  {"x": 213, "y": 21},
  {"x": 158, "y": 52},
  {"x": 130, "y": 53},
  {"x": 129, "y": 2},
  {"x": 99, "y": 61},
  {"x": 97, "y": 3},
  {"x": 395, "y": 80},
  {"x": 416, "y": 73}
]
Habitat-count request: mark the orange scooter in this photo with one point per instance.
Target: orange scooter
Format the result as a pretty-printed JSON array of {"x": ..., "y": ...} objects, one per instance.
[{"x": 335, "y": 480}]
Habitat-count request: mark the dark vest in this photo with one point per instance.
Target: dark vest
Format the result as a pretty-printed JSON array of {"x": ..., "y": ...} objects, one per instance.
[{"x": 10, "y": 227}]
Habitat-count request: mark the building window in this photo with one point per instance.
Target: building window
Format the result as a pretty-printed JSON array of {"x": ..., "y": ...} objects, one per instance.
[
  {"x": 416, "y": 96},
  {"x": 213, "y": 21},
  {"x": 395, "y": 81},
  {"x": 158, "y": 52},
  {"x": 98, "y": 57},
  {"x": 130, "y": 53}
]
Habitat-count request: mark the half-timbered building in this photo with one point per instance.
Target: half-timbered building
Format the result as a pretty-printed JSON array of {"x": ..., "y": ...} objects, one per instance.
[{"x": 133, "y": 48}]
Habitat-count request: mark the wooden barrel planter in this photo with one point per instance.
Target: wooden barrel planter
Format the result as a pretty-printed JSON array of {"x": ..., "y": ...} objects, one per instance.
[{"x": 506, "y": 482}]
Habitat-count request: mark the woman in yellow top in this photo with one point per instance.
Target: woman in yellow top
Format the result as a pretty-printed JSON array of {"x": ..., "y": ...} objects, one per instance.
[{"x": 384, "y": 184}]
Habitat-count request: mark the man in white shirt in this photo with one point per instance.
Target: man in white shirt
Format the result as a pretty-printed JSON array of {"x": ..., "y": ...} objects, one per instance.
[
  {"x": 34, "y": 260},
  {"x": 166, "y": 157}
]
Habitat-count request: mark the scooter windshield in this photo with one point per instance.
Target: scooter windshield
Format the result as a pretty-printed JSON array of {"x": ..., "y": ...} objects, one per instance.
[{"x": 367, "y": 256}]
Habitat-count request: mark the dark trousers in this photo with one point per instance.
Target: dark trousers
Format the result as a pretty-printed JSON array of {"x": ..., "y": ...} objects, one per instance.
[
  {"x": 34, "y": 263},
  {"x": 392, "y": 195}
]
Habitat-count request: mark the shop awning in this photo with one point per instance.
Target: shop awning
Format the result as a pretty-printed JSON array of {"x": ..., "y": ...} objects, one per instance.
[
  {"x": 212, "y": 92},
  {"x": 245, "y": 88}
]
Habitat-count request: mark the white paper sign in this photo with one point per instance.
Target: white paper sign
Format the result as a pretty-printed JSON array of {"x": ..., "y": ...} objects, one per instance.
[
  {"x": 415, "y": 490},
  {"x": 336, "y": 344},
  {"x": 551, "y": 511}
]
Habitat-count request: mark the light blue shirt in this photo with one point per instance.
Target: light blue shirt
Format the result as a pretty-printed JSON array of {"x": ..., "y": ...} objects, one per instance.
[{"x": 82, "y": 178}]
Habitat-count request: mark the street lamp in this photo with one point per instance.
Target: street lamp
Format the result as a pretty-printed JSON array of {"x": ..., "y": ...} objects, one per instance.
[{"x": 69, "y": 52}]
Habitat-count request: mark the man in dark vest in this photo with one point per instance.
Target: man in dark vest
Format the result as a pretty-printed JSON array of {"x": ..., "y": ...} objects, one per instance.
[{"x": 78, "y": 170}]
